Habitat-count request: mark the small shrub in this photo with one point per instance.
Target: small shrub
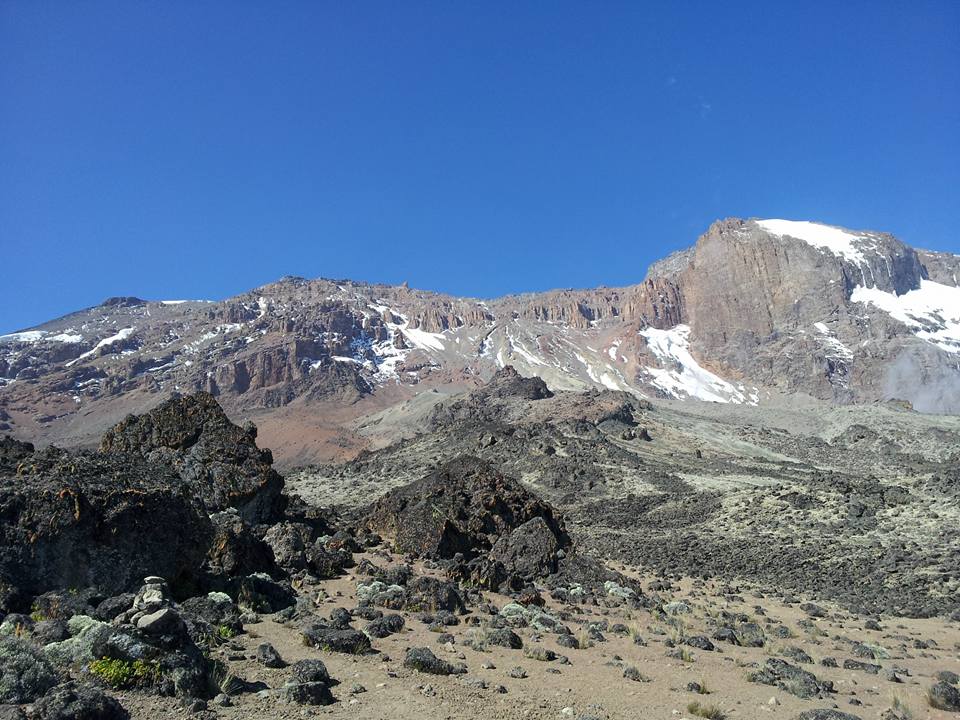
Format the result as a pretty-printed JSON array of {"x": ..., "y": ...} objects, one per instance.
[
  {"x": 226, "y": 632},
  {"x": 897, "y": 704},
  {"x": 711, "y": 712},
  {"x": 120, "y": 674}
]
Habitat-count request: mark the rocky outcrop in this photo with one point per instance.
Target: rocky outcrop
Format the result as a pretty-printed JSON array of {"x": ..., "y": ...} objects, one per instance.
[
  {"x": 174, "y": 493},
  {"x": 219, "y": 460},
  {"x": 96, "y": 519},
  {"x": 464, "y": 507},
  {"x": 468, "y": 511}
]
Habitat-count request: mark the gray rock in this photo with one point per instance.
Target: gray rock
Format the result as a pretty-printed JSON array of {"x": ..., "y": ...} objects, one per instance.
[
  {"x": 792, "y": 679},
  {"x": 826, "y": 715},
  {"x": 944, "y": 697},
  {"x": 385, "y": 626},
  {"x": 504, "y": 637},
  {"x": 71, "y": 701},
  {"x": 307, "y": 671},
  {"x": 165, "y": 621},
  {"x": 329, "y": 639},
  {"x": 309, "y": 693},
  {"x": 268, "y": 656},
  {"x": 423, "y": 660}
]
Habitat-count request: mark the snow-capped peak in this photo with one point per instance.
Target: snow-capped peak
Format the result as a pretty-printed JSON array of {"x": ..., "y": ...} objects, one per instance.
[{"x": 826, "y": 237}]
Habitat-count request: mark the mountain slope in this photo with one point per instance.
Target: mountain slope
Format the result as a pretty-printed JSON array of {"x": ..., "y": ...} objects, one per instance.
[{"x": 753, "y": 312}]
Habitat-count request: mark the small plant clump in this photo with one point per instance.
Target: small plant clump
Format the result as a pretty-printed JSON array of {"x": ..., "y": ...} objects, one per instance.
[
  {"x": 225, "y": 632},
  {"x": 120, "y": 674},
  {"x": 711, "y": 712}
]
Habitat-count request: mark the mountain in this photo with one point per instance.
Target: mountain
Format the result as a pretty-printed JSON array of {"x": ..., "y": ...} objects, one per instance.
[{"x": 757, "y": 311}]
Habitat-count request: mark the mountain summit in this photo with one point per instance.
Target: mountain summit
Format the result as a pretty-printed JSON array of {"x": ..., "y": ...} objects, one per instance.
[{"x": 755, "y": 312}]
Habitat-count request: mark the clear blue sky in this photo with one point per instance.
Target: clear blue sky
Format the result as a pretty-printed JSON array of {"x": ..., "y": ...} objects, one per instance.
[{"x": 197, "y": 149}]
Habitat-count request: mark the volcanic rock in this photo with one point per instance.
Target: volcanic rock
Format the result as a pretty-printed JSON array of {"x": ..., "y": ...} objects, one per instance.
[{"x": 218, "y": 460}]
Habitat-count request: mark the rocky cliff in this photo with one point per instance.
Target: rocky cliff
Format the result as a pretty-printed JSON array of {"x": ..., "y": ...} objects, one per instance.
[{"x": 755, "y": 311}]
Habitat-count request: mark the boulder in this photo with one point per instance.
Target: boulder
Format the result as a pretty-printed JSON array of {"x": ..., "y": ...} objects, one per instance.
[
  {"x": 305, "y": 671},
  {"x": 268, "y": 656},
  {"x": 465, "y": 506},
  {"x": 944, "y": 696},
  {"x": 792, "y": 679},
  {"x": 384, "y": 626},
  {"x": 236, "y": 550},
  {"x": 72, "y": 701},
  {"x": 423, "y": 660},
  {"x": 261, "y": 593},
  {"x": 343, "y": 640},
  {"x": 528, "y": 552},
  {"x": 219, "y": 461},
  {"x": 104, "y": 520}
]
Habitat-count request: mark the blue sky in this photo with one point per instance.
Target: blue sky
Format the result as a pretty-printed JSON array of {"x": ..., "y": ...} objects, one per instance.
[{"x": 197, "y": 149}]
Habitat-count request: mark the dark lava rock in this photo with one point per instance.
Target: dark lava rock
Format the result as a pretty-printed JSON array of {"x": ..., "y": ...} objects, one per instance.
[
  {"x": 428, "y": 594},
  {"x": 791, "y": 679},
  {"x": 340, "y": 618},
  {"x": 236, "y": 550},
  {"x": 423, "y": 660},
  {"x": 384, "y": 626},
  {"x": 261, "y": 593},
  {"x": 71, "y": 701},
  {"x": 701, "y": 642},
  {"x": 64, "y": 604},
  {"x": 948, "y": 676},
  {"x": 464, "y": 506},
  {"x": 348, "y": 640},
  {"x": 306, "y": 671},
  {"x": 12, "y": 452},
  {"x": 863, "y": 666},
  {"x": 504, "y": 637},
  {"x": 108, "y": 609},
  {"x": 309, "y": 693},
  {"x": 25, "y": 674},
  {"x": 268, "y": 656},
  {"x": 507, "y": 382},
  {"x": 49, "y": 631},
  {"x": 826, "y": 715},
  {"x": 220, "y": 461},
  {"x": 813, "y": 610},
  {"x": 797, "y": 654},
  {"x": 944, "y": 697},
  {"x": 210, "y": 615},
  {"x": 88, "y": 519},
  {"x": 529, "y": 552}
]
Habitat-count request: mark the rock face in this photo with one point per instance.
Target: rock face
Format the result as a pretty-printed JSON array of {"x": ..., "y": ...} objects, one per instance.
[
  {"x": 77, "y": 520},
  {"x": 754, "y": 310},
  {"x": 465, "y": 507},
  {"x": 220, "y": 460},
  {"x": 139, "y": 506}
]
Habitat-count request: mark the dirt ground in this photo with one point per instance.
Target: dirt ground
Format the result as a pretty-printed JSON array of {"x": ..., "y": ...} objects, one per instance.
[{"x": 591, "y": 683}]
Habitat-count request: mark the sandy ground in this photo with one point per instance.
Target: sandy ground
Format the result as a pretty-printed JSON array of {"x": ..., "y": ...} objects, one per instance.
[{"x": 592, "y": 684}]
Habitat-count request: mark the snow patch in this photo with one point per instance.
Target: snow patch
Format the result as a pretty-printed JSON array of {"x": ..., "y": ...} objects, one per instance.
[
  {"x": 121, "y": 335},
  {"x": 681, "y": 375},
  {"x": 835, "y": 348},
  {"x": 932, "y": 311},
  {"x": 422, "y": 339},
  {"x": 839, "y": 242},
  {"x": 28, "y": 336},
  {"x": 66, "y": 337}
]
